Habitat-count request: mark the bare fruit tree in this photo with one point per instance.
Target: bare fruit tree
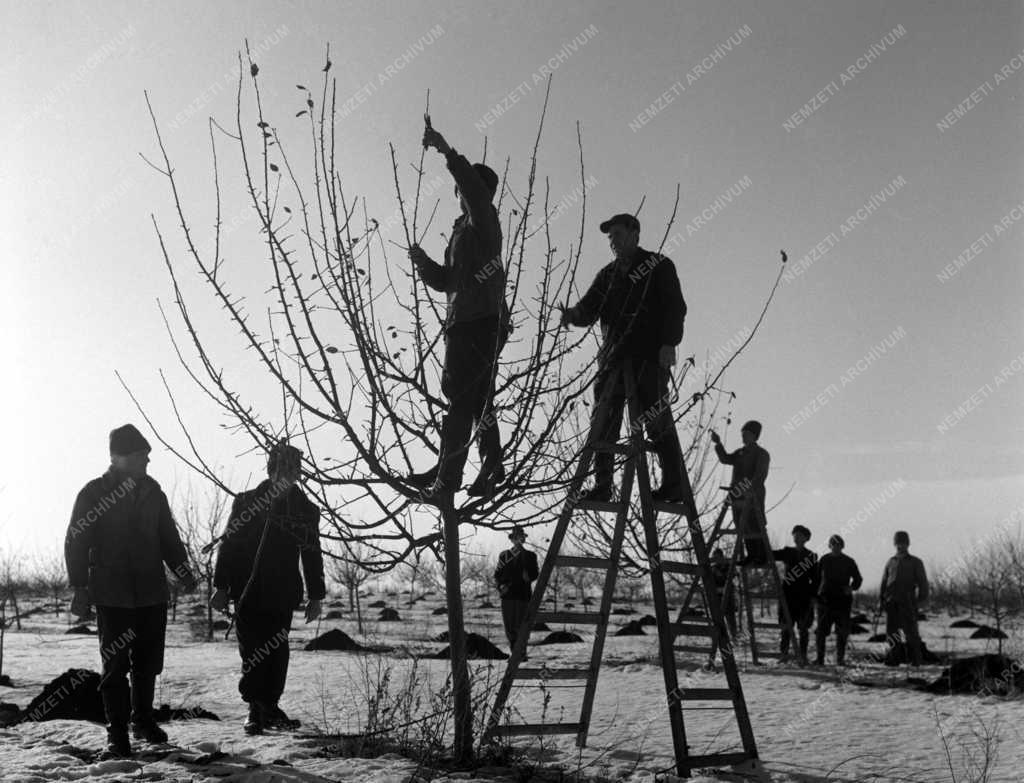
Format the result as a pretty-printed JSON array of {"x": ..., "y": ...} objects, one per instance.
[
  {"x": 345, "y": 342},
  {"x": 201, "y": 519}
]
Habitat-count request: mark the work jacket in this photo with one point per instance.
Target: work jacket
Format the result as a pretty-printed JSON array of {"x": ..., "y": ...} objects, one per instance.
[
  {"x": 839, "y": 576},
  {"x": 639, "y": 304},
  {"x": 904, "y": 581},
  {"x": 515, "y": 572},
  {"x": 749, "y": 471},
  {"x": 473, "y": 275},
  {"x": 120, "y": 537},
  {"x": 288, "y": 525}
]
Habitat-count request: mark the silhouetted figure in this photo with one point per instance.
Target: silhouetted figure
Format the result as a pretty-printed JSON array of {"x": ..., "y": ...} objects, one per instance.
[
  {"x": 839, "y": 578},
  {"x": 517, "y": 569},
  {"x": 640, "y": 306},
  {"x": 799, "y": 586},
  {"x": 271, "y": 529},
  {"x": 120, "y": 537},
  {"x": 476, "y": 327},
  {"x": 746, "y": 490},
  {"x": 904, "y": 590}
]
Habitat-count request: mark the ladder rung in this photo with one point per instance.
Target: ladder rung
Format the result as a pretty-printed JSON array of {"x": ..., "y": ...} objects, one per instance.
[
  {"x": 717, "y": 759},
  {"x": 705, "y": 694},
  {"x": 579, "y": 618},
  {"x": 693, "y": 569},
  {"x": 522, "y": 729},
  {"x": 727, "y": 531},
  {"x": 775, "y": 626},
  {"x": 599, "y": 505},
  {"x": 692, "y": 648},
  {"x": 572, "y": 561},
  {"x": 690, "y": 629},
  {"x": 553, "y": 674}
]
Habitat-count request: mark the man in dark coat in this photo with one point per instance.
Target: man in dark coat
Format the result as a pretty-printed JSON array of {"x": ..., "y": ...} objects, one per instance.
[
  {"x": 799, "y": 585},
  {"x": 476, "y": 328},
  {"x": 903, "y": 592},
  {"x": 840, "y": 577},
  {"x": 120, "y": 537},
  {"x": 517, "y": 569},
  {"x": 746, "y": 490},
  {"x": 640, "y": 306},
  {"x": 271, "y": 529}
]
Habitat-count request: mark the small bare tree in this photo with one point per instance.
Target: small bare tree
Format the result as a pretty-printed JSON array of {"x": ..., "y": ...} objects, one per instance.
[
  {"x": 201, "y": 519},
  {"x": 50, "y": 577},
  {"x": 12, "y": 582},
  {"x": 991, "y": 585},
  {"x": 345, "y": 567}
]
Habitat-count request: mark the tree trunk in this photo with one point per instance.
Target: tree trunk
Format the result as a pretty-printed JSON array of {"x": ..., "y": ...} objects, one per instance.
[
  {"x": 457, "y": 639},
  {"x": 352, "y": 597},
  {"x": 359, "y": 611}
]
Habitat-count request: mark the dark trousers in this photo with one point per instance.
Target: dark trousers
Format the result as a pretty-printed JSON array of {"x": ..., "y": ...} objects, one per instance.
[
  {"x": 131, "y": 640},
  {"x": 652, "y": 389},
  {"x": 470, "y": 360},
  {"x": 801, "y": 611},
  {"x": 834, "y": 611},
  {"x": 513, "y": 612},
  {"x": 263, "y": 645},
  {"x": 902, "y": 615},
  {"x": 747, "y": 516}
]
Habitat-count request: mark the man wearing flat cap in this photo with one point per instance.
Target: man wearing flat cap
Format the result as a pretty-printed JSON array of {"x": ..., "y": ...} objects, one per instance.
[
  {"x": 840, "y": 577},
  {"x": 641, "y": 309},
  {"x": 903, "y": 592},
  {"x": 477, "y": 325},
  {"x": 517, "y": 569},
  {"x": 750, "y": 465},
  {"x": 270, "y": 531},
  {"x": 120, "y": 538},
  {"x": 799, "y": 585}
]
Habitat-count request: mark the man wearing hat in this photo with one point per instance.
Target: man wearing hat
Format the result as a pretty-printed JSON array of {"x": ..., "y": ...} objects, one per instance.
[
  {"x": 746, "y": 490},
  {"x": 476, "y": 327},
  {"x": 840, "y": 577},
  {"x": 271, "y": 529},
  {"x": 517, "y": 568},
  {"x": 799, "y": 585},
  {"x": 120, "y": 537},
  {"x": 641, "y": 309},
  {"x": 904, "y": 590}
]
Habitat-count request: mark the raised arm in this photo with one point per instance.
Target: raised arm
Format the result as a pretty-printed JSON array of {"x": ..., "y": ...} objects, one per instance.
[
  {"x": 434, "y": 275},
  {"x": 588, "y": 309}
]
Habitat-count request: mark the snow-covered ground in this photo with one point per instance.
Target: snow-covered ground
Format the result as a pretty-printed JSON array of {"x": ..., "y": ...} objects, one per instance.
[{"x": 861, "y": 724}]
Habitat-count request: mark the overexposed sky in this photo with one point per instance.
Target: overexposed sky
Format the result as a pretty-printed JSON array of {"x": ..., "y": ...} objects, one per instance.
[{"x": 663, "y": 97}]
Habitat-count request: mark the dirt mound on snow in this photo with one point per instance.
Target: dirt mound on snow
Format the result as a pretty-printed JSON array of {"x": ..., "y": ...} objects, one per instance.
[
  {"x": 561, "y": 637},
  {"x": 985, "y": 632},
  {"x": 965, "y": 623},
  {"x": 898, "y": 654},
  {"x": 978, "y": 673},
  {"x": 477, "y": 646},
  {"x": 334, "y": 639}
]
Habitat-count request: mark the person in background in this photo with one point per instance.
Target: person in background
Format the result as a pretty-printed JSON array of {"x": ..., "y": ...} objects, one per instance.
[
  {"x": 121, "y": 536},
  {"x": 517, "y": 569},
  {"x": 270, "y": 531},
  {"x": 902, "y": 595},
  {"x": 840, "y": 577},
  {"x": 799, "y": 585}
]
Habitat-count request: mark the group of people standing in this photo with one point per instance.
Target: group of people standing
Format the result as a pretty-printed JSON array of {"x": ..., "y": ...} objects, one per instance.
[{"x": 825, "y": 586}]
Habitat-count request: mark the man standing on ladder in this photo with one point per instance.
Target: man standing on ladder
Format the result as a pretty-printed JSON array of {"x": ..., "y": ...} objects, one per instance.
[
  {"x": 799, "y": 585},
  {"x": 639, "y": 303},
  {"x": 746, "y": 490}
]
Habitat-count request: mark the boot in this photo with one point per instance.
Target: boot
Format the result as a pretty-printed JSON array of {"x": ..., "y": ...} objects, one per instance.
[
  {"x": 276, "y": 718},
  {"x": 840, "y": 651},
  {"x": 804, "y": 641},
  {"x": 144, "y": 725},
  {"x": 254, "y": 721},
  {"x": 117, "y": 708},
  {"x": 820, "y": 658}
]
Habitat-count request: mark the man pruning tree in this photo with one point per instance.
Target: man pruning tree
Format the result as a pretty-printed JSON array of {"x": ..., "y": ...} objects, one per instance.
[
  {"x": 638, "y": 301},
  {"x": 476, "y": 327},
  {"x": 750, "y": 465}
]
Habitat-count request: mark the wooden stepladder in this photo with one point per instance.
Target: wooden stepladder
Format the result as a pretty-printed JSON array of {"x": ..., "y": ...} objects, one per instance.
[
  {"x": 678, "y": 698},
  {"x": 758, "y": 582}
]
